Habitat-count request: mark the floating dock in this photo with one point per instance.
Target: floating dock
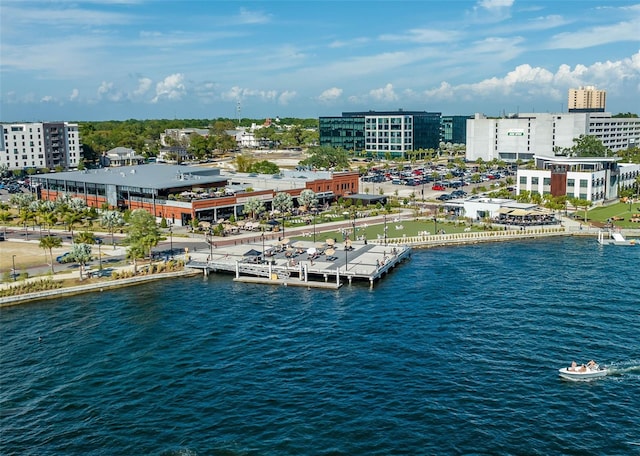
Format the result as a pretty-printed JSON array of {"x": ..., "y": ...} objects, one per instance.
[
  {"x": 303, "y": 263},
  {"x": 609, "y": 237}
]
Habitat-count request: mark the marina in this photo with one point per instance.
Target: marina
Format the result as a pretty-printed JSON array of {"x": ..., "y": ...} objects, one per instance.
[{"x": 326, "y": 264}]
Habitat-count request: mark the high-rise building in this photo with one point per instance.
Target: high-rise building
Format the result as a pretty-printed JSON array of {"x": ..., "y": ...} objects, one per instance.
[
  {"x": 40, "y": 145},
  {"x": 587, "y": 99}
]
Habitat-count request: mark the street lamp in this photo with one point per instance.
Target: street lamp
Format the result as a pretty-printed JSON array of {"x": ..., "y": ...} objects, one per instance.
[
  {"x": 210, "y": 242},
  {"x": 385, "y": 229},
  {"x": 314, "y": 224},
  {"x": 99, "y": 242},
  {"x": 353, "y": 223},
  {"x": 171, "y": 240},
  {"x": 13, "y": 258},
  {"x": 435, "y": 224},
  {"x": 262, "y": 235}
]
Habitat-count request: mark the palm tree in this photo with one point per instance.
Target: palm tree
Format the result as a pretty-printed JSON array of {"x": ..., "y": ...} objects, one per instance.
[
  {"x": 50, "y": 242},
  {"x": 81, "y": 254},
  {"x": 111, "y": 220}
]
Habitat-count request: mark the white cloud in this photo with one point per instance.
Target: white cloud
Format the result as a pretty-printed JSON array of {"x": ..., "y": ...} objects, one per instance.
[
  {"x": 252, "y": 17},
  {"x": 48, "y": 99},
  {"x": 528, "y": 83},
  {"x": 172, "y": 88},
  {"x": 75, "y": 93},
  {"x": 107, "y": 91},
  {"x": 144, "y": 84},
  {"x": 423, "y": 36},
  {"x": 330, "y": 94},
  {"x": 286, "y": 96},
  {"x": 385, "y": 93},
  {"x": 495, "y": 4},
  {"x": 238, "y": 93},
  {"x": 597, "y": 36}
]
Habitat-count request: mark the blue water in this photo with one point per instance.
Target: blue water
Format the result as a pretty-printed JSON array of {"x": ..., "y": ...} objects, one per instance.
[{"x": 454, "y": 352}]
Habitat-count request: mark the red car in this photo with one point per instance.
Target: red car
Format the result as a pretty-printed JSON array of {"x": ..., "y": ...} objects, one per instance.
[{"x": 438, "y": 187}]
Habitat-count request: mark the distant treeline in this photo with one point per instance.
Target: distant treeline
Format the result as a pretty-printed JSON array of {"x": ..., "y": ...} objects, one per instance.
[{"x": 143, "y": 135}]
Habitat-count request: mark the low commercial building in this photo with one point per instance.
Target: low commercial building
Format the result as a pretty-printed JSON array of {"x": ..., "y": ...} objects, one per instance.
[
  {"x": 521, "y": 136},
  {"x": 181, "y": 194},
  {"x": 596, "y": 179}
]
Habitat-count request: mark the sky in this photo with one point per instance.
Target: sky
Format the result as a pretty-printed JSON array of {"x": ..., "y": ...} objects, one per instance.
[{"x": 159, "y": 59}]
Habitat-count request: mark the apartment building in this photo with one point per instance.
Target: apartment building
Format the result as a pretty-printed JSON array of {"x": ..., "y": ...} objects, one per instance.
[
  {"x": 587, "y": 99},
  {"x": 40, "y": 145}
]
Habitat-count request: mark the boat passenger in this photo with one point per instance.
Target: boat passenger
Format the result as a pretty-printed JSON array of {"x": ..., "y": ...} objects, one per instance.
[
  {"x": 591, "y": 364},
  {"x": 573, "y": 366},
  {"x": 583, "y": 368}
]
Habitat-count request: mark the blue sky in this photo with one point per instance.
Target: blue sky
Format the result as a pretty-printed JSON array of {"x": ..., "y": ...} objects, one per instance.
[{"x": 123, "y": 59}]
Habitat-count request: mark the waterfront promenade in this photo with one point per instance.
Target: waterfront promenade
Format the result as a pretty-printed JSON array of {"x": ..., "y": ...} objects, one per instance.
[{"x": 365, "y": 261}]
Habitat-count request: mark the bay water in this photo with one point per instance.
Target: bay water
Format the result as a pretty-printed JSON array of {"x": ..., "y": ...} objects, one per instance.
[{"x": 456, "y": 351}]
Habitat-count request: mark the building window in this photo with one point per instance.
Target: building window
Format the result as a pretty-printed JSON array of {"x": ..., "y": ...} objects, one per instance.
[
  {"x": 546, "y": 181},
  {"x": 584, "y": 183},
  {"x": 534, "y": 181},
  {"x": 571, "y": 182},
  {"x": 523, "y": 180}
]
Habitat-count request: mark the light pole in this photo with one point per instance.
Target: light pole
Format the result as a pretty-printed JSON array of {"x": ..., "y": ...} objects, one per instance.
[
  {"x": 385, "y": 229},
  {"x": 171, "y": 240},
  {"x": 314, "y": 225},
  {"x": 99, "y": 242},
  {"x": 13, "y": 259},
  {"x": 262, "y": 235},
  {"x": 210, "y": 242},
  {"x": 353, "y": 223},
  {"x": 435, "y": 224}
]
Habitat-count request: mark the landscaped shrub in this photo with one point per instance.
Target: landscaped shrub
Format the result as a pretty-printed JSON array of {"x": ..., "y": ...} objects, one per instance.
[{"x": 31, "y": 287}]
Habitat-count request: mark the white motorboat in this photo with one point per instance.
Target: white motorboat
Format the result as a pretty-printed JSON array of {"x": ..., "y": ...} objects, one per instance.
[{"x": 587, "y": 371}]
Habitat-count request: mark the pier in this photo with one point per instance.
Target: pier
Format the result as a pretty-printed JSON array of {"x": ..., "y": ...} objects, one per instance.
[{"x": 303, "y": 263}]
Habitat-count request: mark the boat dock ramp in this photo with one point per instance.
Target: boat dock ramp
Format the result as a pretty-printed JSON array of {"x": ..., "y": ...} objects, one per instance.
[
  {"x": 303, "y": 263},
  {"x": 610, "y": 237}
]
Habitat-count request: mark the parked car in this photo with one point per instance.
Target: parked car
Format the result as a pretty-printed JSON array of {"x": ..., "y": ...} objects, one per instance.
[
  {"x": 444, "y": 197},
  {"x": 64, "y": 258},
  {"x": 438, "y": 187}
]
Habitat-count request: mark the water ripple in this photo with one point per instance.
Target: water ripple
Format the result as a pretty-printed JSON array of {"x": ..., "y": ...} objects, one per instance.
[{"x": 455, "y": 352}]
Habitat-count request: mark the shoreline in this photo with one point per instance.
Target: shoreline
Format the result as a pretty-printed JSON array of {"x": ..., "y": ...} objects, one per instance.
[
  {"x": 10, "y": 301},
  {"x": 417, "y": 242}
]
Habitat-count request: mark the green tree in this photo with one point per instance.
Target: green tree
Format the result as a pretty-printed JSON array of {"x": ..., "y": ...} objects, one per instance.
[
  {"x": 308, "y": 199},
  {"x": 111, "y": 220},
  {"x": 253, "y": 207},
  {"x": 264, "y": 167},
  {"x": 49, "y": 243},
  {"x": 142, "y": 234},
  {"x": 589, "y": 146},
  {"x": 326, "y": 157},
  {"x": 581, "y": 203},
  {"x": 81, "y": 254},
  {"x": 282, "y": 202}
]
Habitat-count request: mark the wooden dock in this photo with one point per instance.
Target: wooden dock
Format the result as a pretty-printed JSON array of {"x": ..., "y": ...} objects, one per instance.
[{"x": 303, "y": 263}]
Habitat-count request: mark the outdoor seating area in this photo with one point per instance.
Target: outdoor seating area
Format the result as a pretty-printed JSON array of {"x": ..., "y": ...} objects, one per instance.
[{"x": 525, "y": 217}]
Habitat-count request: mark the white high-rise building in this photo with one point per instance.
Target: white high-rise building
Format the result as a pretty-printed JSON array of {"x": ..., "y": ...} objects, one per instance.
[
  {"x": 521, "y": 136},
  {"x": 40, "y": 145}
]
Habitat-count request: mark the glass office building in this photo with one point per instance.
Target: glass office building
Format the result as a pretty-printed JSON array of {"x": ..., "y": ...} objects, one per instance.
[{"x": 379, "y": 133}]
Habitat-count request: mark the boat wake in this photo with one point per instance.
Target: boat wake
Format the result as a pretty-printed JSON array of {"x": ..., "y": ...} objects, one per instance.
[{"x": 624, "y": 368}]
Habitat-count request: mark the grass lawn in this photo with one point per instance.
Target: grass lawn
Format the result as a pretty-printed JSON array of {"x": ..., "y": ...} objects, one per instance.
[
  {"x": 394, "y": 229},
  {"x": 621, "y": 210}
]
